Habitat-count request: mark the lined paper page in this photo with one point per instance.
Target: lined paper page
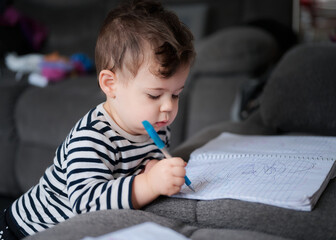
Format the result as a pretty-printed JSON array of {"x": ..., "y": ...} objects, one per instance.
[{"x": 288, "y": 172}]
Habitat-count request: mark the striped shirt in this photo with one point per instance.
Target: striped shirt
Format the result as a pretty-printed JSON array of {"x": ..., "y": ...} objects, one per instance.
[{"x": 93, "y": 169}]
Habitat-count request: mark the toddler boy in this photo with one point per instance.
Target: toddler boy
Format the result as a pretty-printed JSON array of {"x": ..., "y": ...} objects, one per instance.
[{"x": 143, "y": 56}]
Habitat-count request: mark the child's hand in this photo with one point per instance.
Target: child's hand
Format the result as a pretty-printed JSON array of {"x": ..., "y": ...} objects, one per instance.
[
  {"x": 166, "y": 176},
  {"x": 149, "y": 165}
]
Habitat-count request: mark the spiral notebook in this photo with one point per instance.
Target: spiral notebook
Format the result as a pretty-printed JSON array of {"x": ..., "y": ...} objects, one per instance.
[{"x": 284, "y": 171}]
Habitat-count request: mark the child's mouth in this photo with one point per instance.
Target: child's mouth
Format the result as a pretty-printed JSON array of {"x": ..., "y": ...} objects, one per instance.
[{"x": 161, "y": 124}]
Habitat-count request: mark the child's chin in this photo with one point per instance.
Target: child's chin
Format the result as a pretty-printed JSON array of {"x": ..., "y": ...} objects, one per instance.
[{"x": 142, "y": 132}]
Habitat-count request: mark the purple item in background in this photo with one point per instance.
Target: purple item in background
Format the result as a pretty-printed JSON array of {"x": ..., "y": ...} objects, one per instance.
[
  {"x": 55, "y": 70},
  {"x": 34, "y": 32}
]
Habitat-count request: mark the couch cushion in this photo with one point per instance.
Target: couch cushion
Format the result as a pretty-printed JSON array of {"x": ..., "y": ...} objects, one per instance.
[
  {"x": 231, "y": 234},
  {"x": 31, "y": 161},
  {"x": 103, "y": 222},
  {"x": 236, "y": 50},
  {"x": 174, "y": 208},
  {"x": 203, "y": 103},
  {"x": 317, "y": 224},
  {"x": 8, "y": 183},
  {"x": 46, "y": 115},
  {"x": 9, "y": 93},
  {"x": 300, "y": 93},
  {"x": 234, "y": 214}
]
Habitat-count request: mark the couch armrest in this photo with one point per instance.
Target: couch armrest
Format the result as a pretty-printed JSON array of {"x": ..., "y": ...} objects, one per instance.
[{"x": 9, "y": 94}]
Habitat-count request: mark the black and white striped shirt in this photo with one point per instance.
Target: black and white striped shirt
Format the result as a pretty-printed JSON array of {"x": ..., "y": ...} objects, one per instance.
[{"x": 93, "y": 170}]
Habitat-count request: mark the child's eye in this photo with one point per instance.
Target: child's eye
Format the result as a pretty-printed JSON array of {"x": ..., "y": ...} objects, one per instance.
[
  {"x": 153, "y": 96},
  {"x": 175, "y": 96}
]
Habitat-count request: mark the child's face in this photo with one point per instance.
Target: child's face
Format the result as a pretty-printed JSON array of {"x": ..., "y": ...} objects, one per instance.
[{"x": 147, "y": 97}]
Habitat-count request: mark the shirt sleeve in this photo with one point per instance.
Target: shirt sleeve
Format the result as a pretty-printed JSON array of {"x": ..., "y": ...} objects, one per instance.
[{"x": 90, "y": 162}]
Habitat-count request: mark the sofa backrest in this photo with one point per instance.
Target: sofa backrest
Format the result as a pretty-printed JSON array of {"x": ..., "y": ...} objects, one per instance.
[
  {"x": 300, "y": 95},
  {"x": 225, "y": 61}
]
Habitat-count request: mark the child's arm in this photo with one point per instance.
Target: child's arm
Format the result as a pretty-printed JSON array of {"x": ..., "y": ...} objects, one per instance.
[{"x": 166, "y": 177}]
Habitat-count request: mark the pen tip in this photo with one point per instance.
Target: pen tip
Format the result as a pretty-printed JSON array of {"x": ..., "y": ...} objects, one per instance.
[{"x": 191, "y": 188}]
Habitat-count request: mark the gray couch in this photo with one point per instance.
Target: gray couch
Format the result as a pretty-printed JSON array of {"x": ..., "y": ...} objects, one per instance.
[{"x": 221, "y": 94}]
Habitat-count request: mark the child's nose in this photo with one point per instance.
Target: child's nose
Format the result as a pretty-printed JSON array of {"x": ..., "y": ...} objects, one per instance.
[{"x": 167, "y": 105}]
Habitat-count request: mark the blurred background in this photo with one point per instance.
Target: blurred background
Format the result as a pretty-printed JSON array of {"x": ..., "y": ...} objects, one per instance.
[
  {"x": 68, "y": 27},
  {"x": 45, "y": 26}
]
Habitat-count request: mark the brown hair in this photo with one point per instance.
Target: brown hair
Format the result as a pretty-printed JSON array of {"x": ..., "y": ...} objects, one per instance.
[{"x": 129, "y": 27}]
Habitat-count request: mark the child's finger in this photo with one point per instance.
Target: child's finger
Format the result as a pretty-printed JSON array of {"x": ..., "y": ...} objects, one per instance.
[
  {"x": 177, "y": 161},
  {"x": 178, "y": 181},
  {"x": 174, "y": 191},
  {"x": 179, "y": 171}
]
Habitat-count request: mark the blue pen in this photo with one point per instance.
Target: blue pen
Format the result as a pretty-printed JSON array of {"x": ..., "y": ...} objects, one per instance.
[{"x": 158, "y": 142}]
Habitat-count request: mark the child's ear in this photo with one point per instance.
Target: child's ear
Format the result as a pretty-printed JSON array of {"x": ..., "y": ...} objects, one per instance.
[{"x": 107, "y": 82}]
